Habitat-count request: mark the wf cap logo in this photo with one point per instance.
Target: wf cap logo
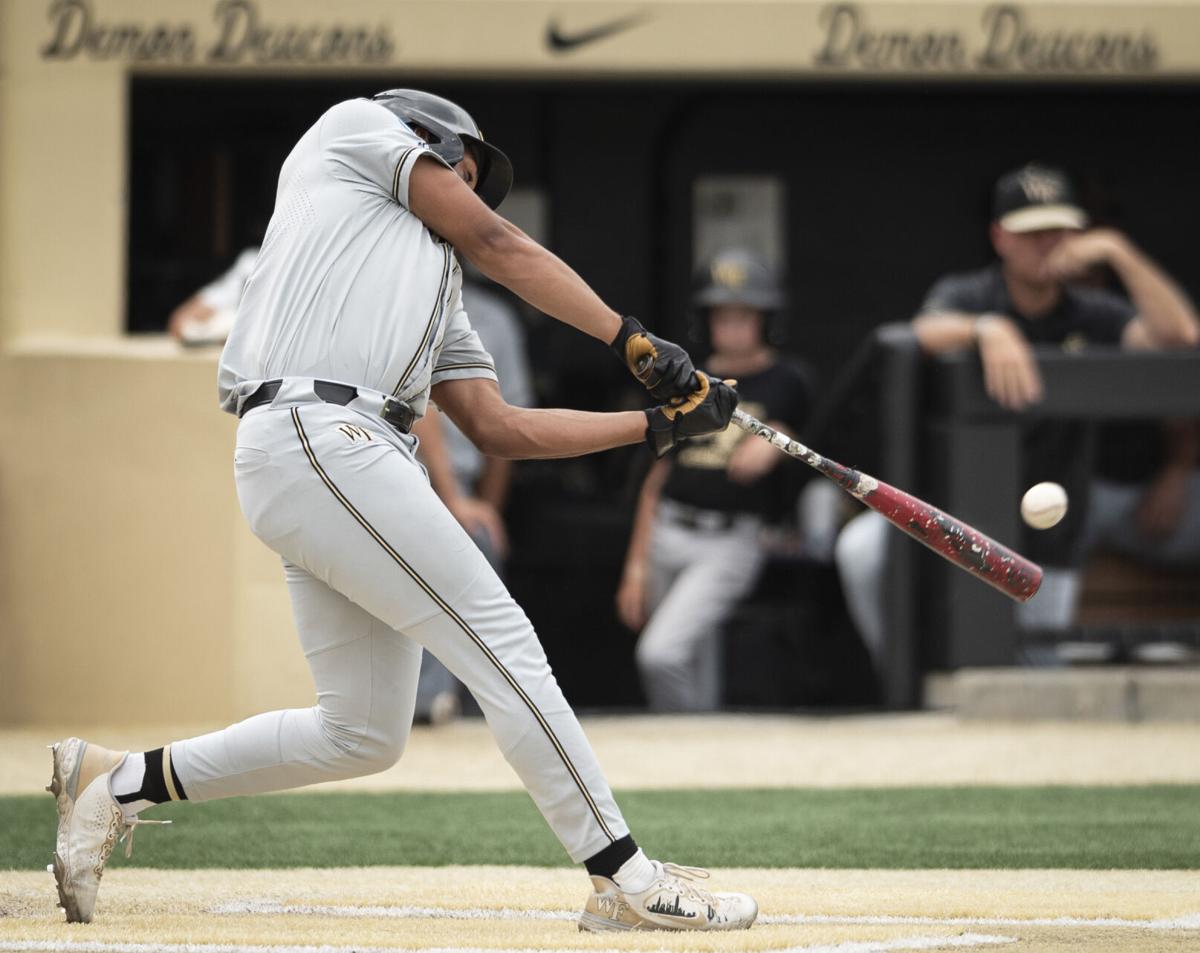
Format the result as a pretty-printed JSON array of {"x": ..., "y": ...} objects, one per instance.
[
  {"x": 731, "y": 274},
  {"x": 1042, "y": 186}
]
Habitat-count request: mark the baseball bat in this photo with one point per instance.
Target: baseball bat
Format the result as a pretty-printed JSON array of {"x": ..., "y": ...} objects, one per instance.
[{"x": 963, "y": 545}]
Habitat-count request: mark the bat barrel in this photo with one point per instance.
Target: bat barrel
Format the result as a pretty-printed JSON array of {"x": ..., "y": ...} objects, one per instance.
[{"x": 963, "y": 545}]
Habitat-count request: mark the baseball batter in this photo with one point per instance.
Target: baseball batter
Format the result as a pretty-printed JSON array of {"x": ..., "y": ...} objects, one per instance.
[{"x": 350, "y": 323}]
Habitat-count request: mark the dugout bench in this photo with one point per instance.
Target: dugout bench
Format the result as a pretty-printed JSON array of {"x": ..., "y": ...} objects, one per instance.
[{"x": 947, "y": 439}]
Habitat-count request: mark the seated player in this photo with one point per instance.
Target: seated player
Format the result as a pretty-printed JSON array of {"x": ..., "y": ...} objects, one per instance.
[
  {"x": 695, "y": 549},
  {"x": 1032, "y": 295}
]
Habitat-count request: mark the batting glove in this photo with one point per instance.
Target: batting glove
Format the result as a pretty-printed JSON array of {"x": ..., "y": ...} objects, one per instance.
[
  {"x": 706, "y": 410},
  {"x": 663, "y": 368}
]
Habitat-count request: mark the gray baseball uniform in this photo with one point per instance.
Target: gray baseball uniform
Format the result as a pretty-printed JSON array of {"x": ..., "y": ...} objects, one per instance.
[{"x": 351, "y": 287}]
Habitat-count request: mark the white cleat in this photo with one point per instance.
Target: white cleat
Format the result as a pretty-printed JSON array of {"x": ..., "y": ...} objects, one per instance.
[
  {"x": 671, "y": 902},
  {"x": 90, "y": 822}
]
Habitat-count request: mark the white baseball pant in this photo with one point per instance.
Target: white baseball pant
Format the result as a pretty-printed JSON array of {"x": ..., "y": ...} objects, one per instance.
[
  {"x": 697, "y": 577},
  {"x": 377, "y": 567}
]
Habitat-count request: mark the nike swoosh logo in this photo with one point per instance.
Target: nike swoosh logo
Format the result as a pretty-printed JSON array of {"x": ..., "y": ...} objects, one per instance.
[{"x": 560, "y": 42}]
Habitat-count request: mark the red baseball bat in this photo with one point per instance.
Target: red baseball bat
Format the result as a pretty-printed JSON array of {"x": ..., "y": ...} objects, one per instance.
[{"x": 963, "y": 545}]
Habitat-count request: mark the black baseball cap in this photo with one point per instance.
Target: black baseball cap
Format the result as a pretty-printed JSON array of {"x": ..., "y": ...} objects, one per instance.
[{"x": 1036, "y": 197}]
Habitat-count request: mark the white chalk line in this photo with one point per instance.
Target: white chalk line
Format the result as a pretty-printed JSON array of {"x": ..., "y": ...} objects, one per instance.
[
  {"x": 268, "y": 907},
  {"x": 872, "y": 946}
]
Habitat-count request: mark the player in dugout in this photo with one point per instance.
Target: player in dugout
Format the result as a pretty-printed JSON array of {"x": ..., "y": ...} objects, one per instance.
[
  {"x": 1033, "y": 294},
  {"x": 695, "y": 550},
  {"x": 350, "y": 323}
]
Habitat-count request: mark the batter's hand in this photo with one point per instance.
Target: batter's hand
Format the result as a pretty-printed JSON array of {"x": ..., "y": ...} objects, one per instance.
[
  {"x": 706, "y": 410},
  {"x": 1010, "y": 373},
  {"x": 663, "y": 368}
]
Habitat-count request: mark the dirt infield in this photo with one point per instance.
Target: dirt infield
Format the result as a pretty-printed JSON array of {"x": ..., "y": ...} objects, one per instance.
[
  {"x": 534, "y": 909},
  {"x": 751, "y": 750}
]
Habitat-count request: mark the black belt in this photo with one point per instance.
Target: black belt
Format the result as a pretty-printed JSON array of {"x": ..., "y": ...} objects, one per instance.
[
  {"x": 694, "y": 518},
  {"x": 395, "y": 412}
]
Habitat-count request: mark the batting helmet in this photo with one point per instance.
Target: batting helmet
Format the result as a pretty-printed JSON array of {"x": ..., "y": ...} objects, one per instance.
[
  {"x": 736, "y": 276},
  {"x": 451, "y": 129}
]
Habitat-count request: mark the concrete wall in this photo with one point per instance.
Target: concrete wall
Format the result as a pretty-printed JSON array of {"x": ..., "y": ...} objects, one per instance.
[{"x": 130, "y": 588}]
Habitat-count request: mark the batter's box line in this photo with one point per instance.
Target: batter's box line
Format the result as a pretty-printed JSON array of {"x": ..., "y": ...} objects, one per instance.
[
  {"x": 271, "y": 907},
  {"x": 965, "y": 940}
]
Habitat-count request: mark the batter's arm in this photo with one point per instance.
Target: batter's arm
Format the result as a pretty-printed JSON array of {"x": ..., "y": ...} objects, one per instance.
[
  {"x": 440, "y": 199},
  {"x": 499, "y": 429}
]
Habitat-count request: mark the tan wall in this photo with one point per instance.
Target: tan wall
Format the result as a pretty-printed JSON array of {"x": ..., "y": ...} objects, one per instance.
[{"x": 130, "y": 589}]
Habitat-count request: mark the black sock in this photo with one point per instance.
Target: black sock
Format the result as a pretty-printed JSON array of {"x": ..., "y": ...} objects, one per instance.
[
  {"x": 609, "y": 861},
  {"x": 156, "y": 786}
]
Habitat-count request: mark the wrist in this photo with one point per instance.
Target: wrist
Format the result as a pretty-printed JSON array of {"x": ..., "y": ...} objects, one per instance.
[
  {"x": 660, "y": 431},
  {"x": 982, "y": 324},
  {"x": 629, "y": 326}
]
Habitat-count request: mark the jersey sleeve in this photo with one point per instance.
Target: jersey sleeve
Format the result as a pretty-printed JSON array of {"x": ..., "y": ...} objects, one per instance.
[
  {"x": 369, "y": 148},
  {"x": 462, "y": 354},
  {"x": 966, "y": 293}
]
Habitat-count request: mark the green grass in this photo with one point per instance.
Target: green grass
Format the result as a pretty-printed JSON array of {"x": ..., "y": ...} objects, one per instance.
[{"x": 1064, "y": 827}]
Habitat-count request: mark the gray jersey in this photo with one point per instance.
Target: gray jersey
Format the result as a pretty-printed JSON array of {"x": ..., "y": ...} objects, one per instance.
[{"x": 350, "y": 286}]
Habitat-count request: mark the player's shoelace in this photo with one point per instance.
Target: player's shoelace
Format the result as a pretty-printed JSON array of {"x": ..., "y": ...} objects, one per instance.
[
  {"x": 684, "y": 880},
  {"x": 126, "y": 837}
]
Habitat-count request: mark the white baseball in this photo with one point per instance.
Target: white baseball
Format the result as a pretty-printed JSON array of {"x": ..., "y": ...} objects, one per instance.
[{"x": 1043, "y": 505}]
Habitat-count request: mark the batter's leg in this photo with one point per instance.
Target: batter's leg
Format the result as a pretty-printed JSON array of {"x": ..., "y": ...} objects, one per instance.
[
  {"x": 365, "y": 675},
  {"x": 375, "y": 531}
]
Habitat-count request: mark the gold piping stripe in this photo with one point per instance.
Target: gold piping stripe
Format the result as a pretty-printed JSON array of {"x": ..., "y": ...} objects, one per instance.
[
  {"x": 460, "y": 367},
  {"x": 396, "y": 175},
  {"x": 438, "y": 304},
  {"x": 458, "y": 620},
  {"x": 170, "y": 781}
]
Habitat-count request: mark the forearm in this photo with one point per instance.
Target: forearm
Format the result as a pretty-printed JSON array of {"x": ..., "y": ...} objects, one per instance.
[
  {"x": 493, "y": 483},
  {"x": 545, "y": 281},
  {"x": 1165, "y": 310},
  {"x": 942, "y": 332},
  {"x": 525, "y": 434}
]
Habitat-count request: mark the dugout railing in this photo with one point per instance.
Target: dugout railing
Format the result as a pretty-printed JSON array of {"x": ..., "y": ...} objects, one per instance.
[{"x": 942, "y": 435}]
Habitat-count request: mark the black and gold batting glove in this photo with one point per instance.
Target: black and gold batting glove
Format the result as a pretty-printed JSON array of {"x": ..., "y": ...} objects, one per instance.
[
  {"x": 663, "y": 368},
  {"x": 706, "y": 410}
]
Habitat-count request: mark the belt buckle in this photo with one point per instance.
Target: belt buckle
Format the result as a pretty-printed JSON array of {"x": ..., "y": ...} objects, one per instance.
[{"x": 398, "y": 414}]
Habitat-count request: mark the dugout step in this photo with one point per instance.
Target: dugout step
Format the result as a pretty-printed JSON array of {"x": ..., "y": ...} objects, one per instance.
[{"x": 1111, "y": 693}]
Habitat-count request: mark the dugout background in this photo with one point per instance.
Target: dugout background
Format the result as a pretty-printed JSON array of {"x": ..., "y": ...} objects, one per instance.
[
  {"x": 886, "y": 190},
  {"x": 121, "y": 548}
]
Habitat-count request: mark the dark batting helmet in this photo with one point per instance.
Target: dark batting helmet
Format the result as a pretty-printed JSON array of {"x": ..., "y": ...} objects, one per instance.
[
  {"x": 451, "y": 130},
  {"x": 738, "y": 277}
]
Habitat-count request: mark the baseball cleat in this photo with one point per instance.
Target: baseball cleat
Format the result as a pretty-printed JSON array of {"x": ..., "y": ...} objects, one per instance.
[
  {"x": 671, "y": 902},
  {"x": 90, "y": 822}
]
